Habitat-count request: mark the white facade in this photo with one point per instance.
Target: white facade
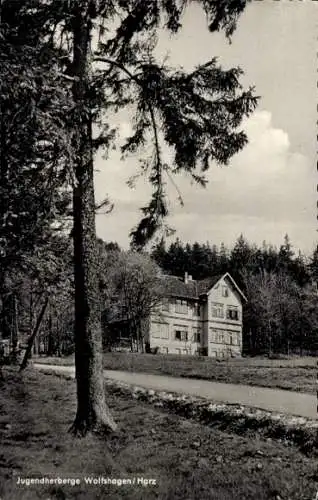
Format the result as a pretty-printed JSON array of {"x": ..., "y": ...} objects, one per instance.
[{"x": 210, "y": 322}]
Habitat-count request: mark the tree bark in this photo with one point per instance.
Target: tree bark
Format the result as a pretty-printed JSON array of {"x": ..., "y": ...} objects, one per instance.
[
  {"x": 92, "y": 411},
  {"x": 270, "y": 340},
  {"x": 31, "y": 339},
  {"x": 141, "y": 335},
  {"x": 50, "y": 343},
  {"x": 15, "y": 329}
]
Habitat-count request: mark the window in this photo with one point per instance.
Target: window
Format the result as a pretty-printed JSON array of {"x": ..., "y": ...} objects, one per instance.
[
  {"x": 164, "y": 330},
  {"x": 160, "y": 330},
  {"x": 164, "y": 350},
  {"x": 181, "y": 306},
  {"x": 196, "y": 335},
  {"x": 178, "y": 351},
  {"x": 185, "y": 351},
  {"x": 225, "y": 291},
  {"x": 217, "y": 336},
  {"x": 220, "y": 337},
  {"x": 233, "y": 338},
  {"x": 155, "y": 331},
  {"x": 181, "y": 335},
  {"x": 232, "y": 313},
  {"x": 196, "y": 309},
  {"x": 165, "y": 305},
  {"x": 213, "y": 334},
  {"x": 217, "y": 310}
]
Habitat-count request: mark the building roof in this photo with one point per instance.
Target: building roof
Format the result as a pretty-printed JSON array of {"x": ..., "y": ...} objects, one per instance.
[
  {"x": 174, "y": 286},
  {"x": 208, "y": 283}
]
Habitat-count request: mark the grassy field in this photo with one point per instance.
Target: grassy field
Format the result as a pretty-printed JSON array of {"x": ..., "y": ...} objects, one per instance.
[
  {"x": 296, "y": 374},
  {"x": 187, "y": 460}
]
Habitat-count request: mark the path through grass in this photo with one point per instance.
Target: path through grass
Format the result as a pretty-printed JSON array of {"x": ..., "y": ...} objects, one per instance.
[{"x": 298, "y": 374}]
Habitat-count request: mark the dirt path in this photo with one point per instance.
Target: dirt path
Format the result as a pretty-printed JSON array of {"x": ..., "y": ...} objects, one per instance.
[{"x": 276, "y": 400}]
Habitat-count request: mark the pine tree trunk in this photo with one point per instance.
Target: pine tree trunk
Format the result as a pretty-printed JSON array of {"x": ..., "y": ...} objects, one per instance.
[
  {"x": 50, "y": 344},
  {"x": 140, "y": 327},
  {"x": 15, "y": 329},
  {"x": 270, "y": 340},
  {"x": 92, "y": 411},
  {"x": 33, "y": 335}
]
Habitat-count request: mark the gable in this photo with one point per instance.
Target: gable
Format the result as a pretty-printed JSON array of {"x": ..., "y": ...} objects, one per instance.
[{"x": 226, "y": 290}]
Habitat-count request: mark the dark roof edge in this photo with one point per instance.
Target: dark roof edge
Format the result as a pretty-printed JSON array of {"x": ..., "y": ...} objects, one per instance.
[
  {"x": 226, "y": 275},
  {"x": 235, "y": 285},
  {"x": 192, "y": 297}
]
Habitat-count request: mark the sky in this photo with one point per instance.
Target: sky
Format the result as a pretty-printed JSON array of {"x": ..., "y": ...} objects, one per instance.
[{"x": 270, "y": 187}]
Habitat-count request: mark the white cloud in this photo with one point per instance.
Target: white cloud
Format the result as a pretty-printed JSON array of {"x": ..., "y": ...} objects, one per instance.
[{"x": 266, "y": 191}]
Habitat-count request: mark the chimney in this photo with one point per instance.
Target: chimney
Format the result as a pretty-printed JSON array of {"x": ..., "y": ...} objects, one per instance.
[{"x": 187, "y": 277}]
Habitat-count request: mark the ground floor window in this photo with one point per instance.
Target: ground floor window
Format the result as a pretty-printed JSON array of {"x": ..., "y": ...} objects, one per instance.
[
  {"x": 182, "y": 351},
  {"x": 234, "y": 338},
  {"x": 160, "y": 330},
  {"x": 196, "y": 335},
  {"x": 217, "y": 336},
  {"x": 221, "y": 336}
]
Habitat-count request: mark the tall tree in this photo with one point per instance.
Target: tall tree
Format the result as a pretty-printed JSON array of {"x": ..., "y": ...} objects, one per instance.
[
  {"x": 92, "y": 411},
  {"x": 224, "y": 258},
  {"x": 313, "y": 266},
  {"x": 159, "y": 253},
  {"x": 106, "y": 50},
  {"x": 241, "y": 258},
  {"x": 285, "y": 254}
]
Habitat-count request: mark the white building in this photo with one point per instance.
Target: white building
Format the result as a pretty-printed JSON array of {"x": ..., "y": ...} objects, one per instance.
[{"x": 198, "y": 317}]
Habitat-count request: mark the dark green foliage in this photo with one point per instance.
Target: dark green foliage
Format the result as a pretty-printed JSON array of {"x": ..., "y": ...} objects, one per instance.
[
  {"x": 33, "y": 138},
  {"x": 197, "y": 115},
  {"x": 34, "y": 150},
  {"x": 313, "y": 265},
  {"x": 203, "y": 260}
]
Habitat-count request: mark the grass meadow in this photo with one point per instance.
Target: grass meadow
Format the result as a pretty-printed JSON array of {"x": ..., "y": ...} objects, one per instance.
[{"x": 185, "y": 459}]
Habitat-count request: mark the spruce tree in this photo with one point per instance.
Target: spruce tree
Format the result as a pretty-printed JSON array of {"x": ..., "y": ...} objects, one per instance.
[{"x": 107, "y": 62}]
